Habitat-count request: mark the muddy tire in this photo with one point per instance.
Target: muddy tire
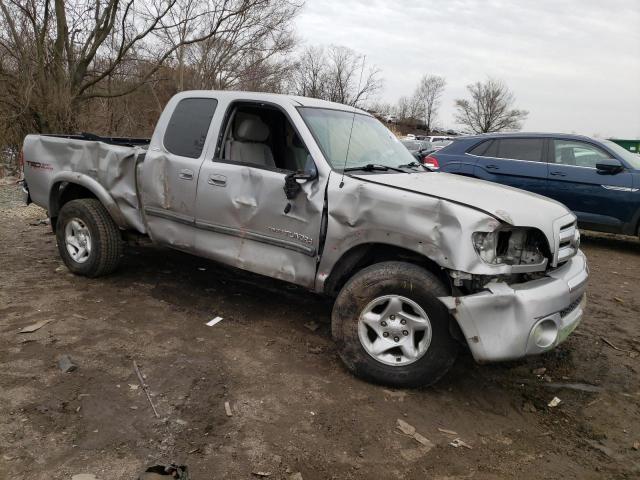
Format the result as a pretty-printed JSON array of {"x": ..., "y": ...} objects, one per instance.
[
  {"x": 390, "y": 328},
  {"x": 89, "y": 241}
]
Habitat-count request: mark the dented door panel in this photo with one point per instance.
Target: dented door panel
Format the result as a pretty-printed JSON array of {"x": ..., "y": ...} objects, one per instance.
[
  {"x": 169, "y": 199},
  {"x": 243, "y": 221},
  {"x": 169, "y": 176}
]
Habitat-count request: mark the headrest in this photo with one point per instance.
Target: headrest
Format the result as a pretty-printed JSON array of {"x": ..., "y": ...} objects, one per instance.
[
  {"x": 250, "y": 128},
  {"x": 567, "y": 156}
]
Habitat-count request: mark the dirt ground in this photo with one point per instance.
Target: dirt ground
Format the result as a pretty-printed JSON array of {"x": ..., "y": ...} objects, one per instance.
[{"x": 295, "y": 409}]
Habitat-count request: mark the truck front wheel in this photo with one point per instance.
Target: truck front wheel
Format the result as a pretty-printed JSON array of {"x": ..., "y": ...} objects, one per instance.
[
  {"x": 390, "y": 327},
  {"x": 89, "y": 241}
]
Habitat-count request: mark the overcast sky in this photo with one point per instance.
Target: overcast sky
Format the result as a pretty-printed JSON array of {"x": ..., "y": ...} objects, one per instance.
[{"x": 575, "y": 65}]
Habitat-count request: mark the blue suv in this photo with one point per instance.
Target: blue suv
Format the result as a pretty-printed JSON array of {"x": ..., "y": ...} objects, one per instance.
[{"x": 597, "y": 179}]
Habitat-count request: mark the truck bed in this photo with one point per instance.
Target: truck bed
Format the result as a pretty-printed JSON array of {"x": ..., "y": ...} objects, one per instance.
[{"x": 55, "y": 160}]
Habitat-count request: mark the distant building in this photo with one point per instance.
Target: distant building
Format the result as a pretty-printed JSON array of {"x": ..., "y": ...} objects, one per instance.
[{"x": 631, "y": 145}]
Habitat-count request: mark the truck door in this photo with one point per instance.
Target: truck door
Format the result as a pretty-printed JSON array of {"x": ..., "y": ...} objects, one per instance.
[
  {"x": 170, "y": 171},
  {"x": 242, "y": 214},
  {"x": 597, "y": 198},
  {"x": 518, "y": 162}
]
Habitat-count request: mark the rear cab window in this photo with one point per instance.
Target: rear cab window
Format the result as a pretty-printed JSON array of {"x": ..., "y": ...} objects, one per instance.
[{"x": 187, "y": 130}]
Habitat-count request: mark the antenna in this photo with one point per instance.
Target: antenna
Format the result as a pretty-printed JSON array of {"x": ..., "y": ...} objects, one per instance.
[{"x": 346, "y": 157}]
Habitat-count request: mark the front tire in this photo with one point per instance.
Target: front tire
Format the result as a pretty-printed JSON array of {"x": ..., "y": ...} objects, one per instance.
[
  {"x": 390, "y": 327},
  {"x": 88, "y": 239}
]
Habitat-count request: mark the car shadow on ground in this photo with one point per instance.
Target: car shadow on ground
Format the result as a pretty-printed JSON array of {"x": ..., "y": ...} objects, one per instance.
[{"x": 608, "y": 240}]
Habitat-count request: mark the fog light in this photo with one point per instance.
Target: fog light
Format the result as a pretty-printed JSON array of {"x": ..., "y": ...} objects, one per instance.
[{"x": 545, "y": 333}]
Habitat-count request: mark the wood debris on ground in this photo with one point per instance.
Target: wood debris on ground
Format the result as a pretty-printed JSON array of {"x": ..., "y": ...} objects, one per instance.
[{"x": 36, "y": 326}]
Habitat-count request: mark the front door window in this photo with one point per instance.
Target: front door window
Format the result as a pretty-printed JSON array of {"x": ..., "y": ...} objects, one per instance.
[
  {"x": 262, "y": 136},
  {"x": 577, "y": 154}
]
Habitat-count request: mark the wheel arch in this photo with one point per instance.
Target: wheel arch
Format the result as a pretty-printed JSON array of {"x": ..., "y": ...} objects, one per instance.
[
  {"x": 69, "y": 186},
  {"x": 367, "y": 254}
]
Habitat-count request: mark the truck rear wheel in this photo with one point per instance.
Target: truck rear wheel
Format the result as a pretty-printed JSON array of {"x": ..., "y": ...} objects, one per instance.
[
  {"x": 89, "y": 241},
  {"x": 390, "y": 327}
]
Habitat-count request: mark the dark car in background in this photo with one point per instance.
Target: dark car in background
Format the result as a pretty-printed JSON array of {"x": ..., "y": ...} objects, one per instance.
[
  {"x": 418, "y": 148},
  {"x": 597, "y": 179},
  {"x": 440, "y": 144}
]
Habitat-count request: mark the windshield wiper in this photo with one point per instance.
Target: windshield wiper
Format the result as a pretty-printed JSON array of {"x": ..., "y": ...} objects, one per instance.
[
  {"x": 370, "y": 167},
  {"x": 415, "y": 164}
]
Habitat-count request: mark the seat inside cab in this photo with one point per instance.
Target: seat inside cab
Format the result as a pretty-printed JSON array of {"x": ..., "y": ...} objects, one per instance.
[{"x": 263, "y": 136}]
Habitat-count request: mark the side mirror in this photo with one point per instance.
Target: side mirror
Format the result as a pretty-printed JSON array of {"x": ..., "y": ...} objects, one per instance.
[
  {"x": 302, "y": 176},
  {"x": 293, "y": 181},
  {"x": 609, "y": 166},
  {"x": 309, "y": 173}
]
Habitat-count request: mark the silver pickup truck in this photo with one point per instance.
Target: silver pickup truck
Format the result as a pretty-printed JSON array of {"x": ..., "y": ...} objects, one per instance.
[{"x": 324, "y": 196}]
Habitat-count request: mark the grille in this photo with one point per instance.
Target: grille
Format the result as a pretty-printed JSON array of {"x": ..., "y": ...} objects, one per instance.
[{"x": 568, "y": 242}]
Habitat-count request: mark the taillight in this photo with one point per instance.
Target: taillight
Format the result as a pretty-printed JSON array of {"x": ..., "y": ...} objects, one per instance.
[{"x": 431, "y": 161}]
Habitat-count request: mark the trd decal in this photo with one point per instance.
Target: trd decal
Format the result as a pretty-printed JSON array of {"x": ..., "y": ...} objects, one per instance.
[{"x": 39, "y": 165}]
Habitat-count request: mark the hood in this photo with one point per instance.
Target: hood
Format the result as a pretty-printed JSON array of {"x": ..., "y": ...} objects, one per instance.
[{"x": 511, "y": 205}]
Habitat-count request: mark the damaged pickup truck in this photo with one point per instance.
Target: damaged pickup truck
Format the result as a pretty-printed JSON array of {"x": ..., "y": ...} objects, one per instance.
[{"x": 324, "y": 196}]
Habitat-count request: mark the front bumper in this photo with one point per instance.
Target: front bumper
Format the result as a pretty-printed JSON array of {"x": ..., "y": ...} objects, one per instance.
[{"x": 506, "y": 322}]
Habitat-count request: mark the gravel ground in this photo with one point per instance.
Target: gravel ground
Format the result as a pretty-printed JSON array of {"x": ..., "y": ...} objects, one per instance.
[
  {"x": 295, "y": 409},
  {"x": 10, "y": 196}
]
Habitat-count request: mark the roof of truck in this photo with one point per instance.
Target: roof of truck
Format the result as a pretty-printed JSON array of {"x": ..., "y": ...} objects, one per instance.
[{"x": 295, "y": 100}]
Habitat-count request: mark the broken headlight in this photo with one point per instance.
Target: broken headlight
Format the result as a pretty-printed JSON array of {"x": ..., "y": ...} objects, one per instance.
[{"x": 511, "y": 246}]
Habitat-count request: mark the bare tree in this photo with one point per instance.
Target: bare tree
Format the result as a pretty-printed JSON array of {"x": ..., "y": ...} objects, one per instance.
[
  {"x": 429, "y": 91},
  {"x": 410, "y": 110},
  {"x": 490, "y": 108},
  {"x": 63, "y": 54},
  {"x": 380, "y": 107},
  {"x": 310, "y": 73},
  {"x": 337, "y": 74},
  {"x": 67, "y": 65},
  {"x": 252, "y": 55}
]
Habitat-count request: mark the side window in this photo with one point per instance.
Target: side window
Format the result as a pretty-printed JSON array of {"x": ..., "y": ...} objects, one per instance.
[
  {"x": 492, "y": 149},
  {"x": 188, "y": 126},
  {"x": 579, "y": 154},
  {"x": 481, "y": 148},
  {"x": 521, "y": 149},
  {"x": 262, "y": 136}
]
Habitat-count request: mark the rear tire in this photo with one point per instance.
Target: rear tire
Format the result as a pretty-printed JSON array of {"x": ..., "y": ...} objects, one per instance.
[
  {"x": 88, "y": 239},
  {"x": 395, "y": 304}
]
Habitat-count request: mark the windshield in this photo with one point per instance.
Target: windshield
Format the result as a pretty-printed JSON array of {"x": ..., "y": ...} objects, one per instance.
[
  {"x": 631, "y": 158},
  {"x": 371, "y": 142},
  {"x": 442, "y": 143}
]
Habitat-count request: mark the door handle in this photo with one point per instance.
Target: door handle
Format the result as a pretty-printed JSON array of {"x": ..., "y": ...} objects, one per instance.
[
  {"x": 217, "y": 180},
  {"x": 492, "y": 167},
  {"x": 558, "y": 174},
  {"x": 186, "y": 174}
]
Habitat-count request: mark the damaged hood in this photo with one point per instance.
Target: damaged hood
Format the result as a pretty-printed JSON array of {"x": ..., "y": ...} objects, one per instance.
[{"x": 511, "y": 205}]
